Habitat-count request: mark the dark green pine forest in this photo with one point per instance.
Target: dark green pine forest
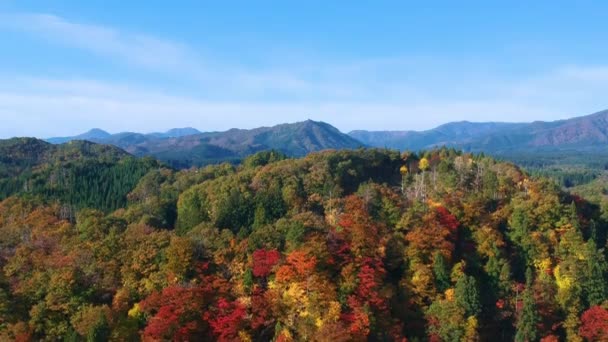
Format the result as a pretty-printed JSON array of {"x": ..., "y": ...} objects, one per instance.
[{"x": 348, "y": 245}]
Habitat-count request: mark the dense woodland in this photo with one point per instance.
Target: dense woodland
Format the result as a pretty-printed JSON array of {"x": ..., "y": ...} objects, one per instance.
[{"x": 336, "y": 246}]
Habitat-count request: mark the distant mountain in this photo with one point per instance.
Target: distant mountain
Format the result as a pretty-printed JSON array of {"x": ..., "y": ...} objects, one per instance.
[
  {"x": 181, "y": 149},
  {"x": 178, "y": 132},
  {"x": 92, "y": 135},
  {"x": 585, "y": 133},
  {"x": 581, "y": 133},
  {"x": 297, "y": 139},
  {"x": 448, "y": 134},
  {"x": 185, "y": 147},
  {"x": 124, "y": 138}
]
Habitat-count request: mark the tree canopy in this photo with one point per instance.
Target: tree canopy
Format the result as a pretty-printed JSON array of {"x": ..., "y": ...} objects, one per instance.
[{"x": 338, "y": 245}]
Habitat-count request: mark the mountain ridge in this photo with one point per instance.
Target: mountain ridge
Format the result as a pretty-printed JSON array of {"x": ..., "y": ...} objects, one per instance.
[
  {"x": 180, "y": 149},
  {"x": 583, "y": 132},
  {"x": 97, "y": 134}
]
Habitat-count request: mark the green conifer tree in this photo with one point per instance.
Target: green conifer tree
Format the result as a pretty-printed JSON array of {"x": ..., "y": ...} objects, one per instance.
[
  {"x": 467, "y": 295},
  {"x": 526, "y": 329},
  {"x": 441, "y": 272}
]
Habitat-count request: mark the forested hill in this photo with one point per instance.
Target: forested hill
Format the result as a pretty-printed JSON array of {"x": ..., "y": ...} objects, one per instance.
[
  {"x": 20, "y": 154},
  {"x": 336, "y": 246},
  {"x": 79, "y": 174}
]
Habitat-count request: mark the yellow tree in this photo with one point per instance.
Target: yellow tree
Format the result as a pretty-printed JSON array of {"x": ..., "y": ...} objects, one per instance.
[
  {"x": 423, "y": 164},
  {"x": 404, "y": 171}
]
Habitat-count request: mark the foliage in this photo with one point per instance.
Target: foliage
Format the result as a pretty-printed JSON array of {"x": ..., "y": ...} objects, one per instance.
[
  {"x": 528, "y": 317},
  {"x": 78, "y": 175},
  {"x": 338, "y": 245},
  {"x": 594, "y": 325}
]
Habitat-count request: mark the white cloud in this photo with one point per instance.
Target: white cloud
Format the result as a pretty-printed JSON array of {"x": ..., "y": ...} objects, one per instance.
[
  {"x": 46, "y": 107},
  {"x": 162, "y": 55},
  {"x": 381, "y": 93},
  {"x": 142, "y": 50}
]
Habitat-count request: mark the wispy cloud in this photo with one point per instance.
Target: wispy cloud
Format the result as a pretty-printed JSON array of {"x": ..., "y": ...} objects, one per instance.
[
  {"x": 46, "y": 115},
  {"x": 137, "y": 49},
  {"x": 46, "y": 107},
  {"x": 184, "y": 64},
  {"x": 380, "y": 93}
]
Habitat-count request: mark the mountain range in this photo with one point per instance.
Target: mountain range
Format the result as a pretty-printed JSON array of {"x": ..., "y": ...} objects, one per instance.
[
  {"x": 187, "y": 146},
  {"x": 586, "y": 133},
  {"x": 184, "y": 147},
  {"x": 124, "y": 138}
]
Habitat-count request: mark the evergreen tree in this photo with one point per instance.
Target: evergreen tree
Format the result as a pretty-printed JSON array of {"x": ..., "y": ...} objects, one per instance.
[
  {"x": 573, "y": 215},
  {"x": 100, "y": 332},
  {"x": 519, "y": 233},
  {"x": 504, "y": 279},
  {"x": 248, "y": 280},
  {"x": 441, "y": 272},
  {"x": 528, "y": 317},
  {"x": 595, "y": 284},
  {"x": 467, "y": 295}
]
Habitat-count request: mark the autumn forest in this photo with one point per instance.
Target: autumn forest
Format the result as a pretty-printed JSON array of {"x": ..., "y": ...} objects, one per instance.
[{"x": 363, "y": 245}]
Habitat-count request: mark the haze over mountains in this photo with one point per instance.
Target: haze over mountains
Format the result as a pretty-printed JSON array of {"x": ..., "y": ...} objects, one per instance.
[
  {"x": 100, "y": 135},
  {"x": 187, "y": 146},
  {"x": 184, "y": 147},
  {"x": 581, "y": 133},
  {"x": 449, "y": 134}
]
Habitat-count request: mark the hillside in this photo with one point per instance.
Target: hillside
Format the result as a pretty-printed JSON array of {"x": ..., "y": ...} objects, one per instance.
[
  {"x": 595, "y": 190},
  {"x": 79, "y": 173},
  {"x": 19, "y": 154},
  {"x": 336, "y": 246},
  {"x": 297, "y": 139},
  {"x": 586, "y": 133}
]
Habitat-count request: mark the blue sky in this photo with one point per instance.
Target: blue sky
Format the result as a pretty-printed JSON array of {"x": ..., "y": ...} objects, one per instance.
[{"x": 67, "y": 66}]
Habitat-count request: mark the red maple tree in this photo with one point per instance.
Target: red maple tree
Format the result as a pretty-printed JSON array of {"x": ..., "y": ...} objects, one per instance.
[
  {"x": 264, "y": 261},
  {"x": 594, "y": 324}
]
